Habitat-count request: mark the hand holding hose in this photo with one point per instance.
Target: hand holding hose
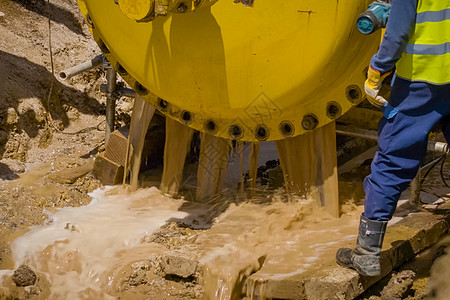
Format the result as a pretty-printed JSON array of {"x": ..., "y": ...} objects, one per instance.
[{"x": 373, "y": 85}]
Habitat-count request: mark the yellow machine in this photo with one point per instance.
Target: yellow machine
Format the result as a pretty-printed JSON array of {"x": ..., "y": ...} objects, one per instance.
[{"x": 250, "y": 70}]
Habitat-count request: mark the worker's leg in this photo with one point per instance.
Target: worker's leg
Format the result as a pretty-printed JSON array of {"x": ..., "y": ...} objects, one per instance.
[
  {"x": 403, "y": 133},
  {"x": 402, "y": 141}
]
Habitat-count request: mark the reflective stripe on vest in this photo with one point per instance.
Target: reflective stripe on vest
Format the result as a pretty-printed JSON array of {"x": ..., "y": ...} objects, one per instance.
[{"x": 427, "y": 55}]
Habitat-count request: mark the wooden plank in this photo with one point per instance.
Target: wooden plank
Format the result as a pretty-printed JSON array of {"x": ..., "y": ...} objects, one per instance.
[
  {"x": 117, "y": 146},
  {"x": 107, "y": 171}
]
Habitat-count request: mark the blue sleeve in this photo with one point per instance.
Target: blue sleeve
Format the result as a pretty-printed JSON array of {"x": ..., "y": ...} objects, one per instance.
[{"x": 400, "y": 24}]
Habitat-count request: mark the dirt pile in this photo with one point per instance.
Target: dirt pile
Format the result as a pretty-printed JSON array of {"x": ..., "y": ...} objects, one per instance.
[
  {"x": 46, "y": 125},
  {"x": 34, "y": 104}
]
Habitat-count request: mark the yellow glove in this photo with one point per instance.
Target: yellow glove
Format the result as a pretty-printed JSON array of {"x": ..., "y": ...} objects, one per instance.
[{"x": 373, "y": 85}]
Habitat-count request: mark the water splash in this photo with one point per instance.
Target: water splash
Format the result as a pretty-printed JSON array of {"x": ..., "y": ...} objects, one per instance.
[{"x": 79, "y": 249}]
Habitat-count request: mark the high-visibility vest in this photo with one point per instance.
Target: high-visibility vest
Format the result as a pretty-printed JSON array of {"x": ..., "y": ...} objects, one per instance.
[{"x": 427, "y": 55}]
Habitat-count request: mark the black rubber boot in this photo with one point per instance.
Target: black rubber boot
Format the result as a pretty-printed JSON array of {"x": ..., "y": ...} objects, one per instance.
[{"x": 365, "y": 258}]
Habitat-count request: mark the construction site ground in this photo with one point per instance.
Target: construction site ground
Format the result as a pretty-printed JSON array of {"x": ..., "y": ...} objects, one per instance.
[{"x": 48, "y": 126}]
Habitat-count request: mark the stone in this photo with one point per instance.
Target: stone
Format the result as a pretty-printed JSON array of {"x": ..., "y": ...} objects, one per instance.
[
  {"x": 24, "y": 276},
  {"x": 178, "y": 264},
  {"x": 139, "y": 273},
  {"x": 276, "y": 179},
  {"x": 398, "y": 286},
  {"x": 2, "y": 14},
  {"x": 11, "y": 116},
  {"x": 70, "y": 175}
]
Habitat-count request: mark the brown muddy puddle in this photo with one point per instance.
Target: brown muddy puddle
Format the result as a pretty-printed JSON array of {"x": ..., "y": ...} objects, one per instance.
[
  {"x": 84, "y": 252},
  {"x": 90, "y": 252}
]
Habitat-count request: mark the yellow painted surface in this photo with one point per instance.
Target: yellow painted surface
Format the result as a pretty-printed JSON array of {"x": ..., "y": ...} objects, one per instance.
[
  {"x": 253, "y": 67},
  {"x": 137, "y": 9}
]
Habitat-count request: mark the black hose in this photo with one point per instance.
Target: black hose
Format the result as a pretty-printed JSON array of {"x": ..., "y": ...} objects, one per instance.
[{"x": 439, "y": 160}]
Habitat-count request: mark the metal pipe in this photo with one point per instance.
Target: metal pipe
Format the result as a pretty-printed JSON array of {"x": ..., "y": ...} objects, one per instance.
[
  {"x": 111, "y": 78},
  {"x": 373, "y": 135},
  {"x": 414, "y": 187},
  {"x": 83, "y": 67},
  {"x": 122, "y": 91},
  {"x": 437, "y": 147},
  {"x": 356, "y": 132}
]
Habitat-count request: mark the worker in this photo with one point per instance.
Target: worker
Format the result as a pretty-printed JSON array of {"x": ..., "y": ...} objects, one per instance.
[{"x": 417, "y": 43}]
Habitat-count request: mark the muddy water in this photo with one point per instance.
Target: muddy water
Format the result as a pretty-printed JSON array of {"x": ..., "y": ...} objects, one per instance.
[
  {"x": 277, "y": 240},
  {"x": 178, "y": 140},
  {"x": 309, "y": 164},
  {"x": 212, "y": 165},
  {"x": 83, "y": 251},
  {"x": 140, "y": 119},
  {"x": 80, "y": 250},
  {"x": 253, "y": 159}
]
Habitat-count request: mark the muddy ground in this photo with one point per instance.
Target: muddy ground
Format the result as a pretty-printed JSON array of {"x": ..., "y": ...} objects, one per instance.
[{"x": 47, "y": 125}]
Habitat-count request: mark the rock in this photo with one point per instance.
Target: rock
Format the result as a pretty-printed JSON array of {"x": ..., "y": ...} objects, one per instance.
[
  {"x": 33, "y": 290},
  {"x": 173, "y": 235},
  {"x": 275, "y": 176},
  {"x": 70, "y": 175},
  {"x": 398, "y": 286},
  {"x": 139, "y": 273},
  {"x": 24, "y": 276},
  {"x": 2, "y": 14},
  {"x": 14, "y": 165},
  {"x": 178, "y": 264},
  {"x": 439, "y": 284},
  {"x": 11, "y": 116}
]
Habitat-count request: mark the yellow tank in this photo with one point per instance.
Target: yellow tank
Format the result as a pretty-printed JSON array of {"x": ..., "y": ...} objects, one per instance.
[{"x": 246, "y": 69}]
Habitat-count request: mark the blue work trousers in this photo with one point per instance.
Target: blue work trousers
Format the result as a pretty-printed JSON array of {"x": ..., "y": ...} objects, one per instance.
[{"x": 413, "y": 110}]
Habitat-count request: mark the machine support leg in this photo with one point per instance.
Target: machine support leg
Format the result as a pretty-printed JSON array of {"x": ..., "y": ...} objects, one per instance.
[
  {"x": 111, "y": 77},
  {"x": 414, "y": 196}
]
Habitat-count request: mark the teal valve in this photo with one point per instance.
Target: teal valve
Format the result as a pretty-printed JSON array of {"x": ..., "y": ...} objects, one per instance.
[{"x": 374, "y": 18}]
